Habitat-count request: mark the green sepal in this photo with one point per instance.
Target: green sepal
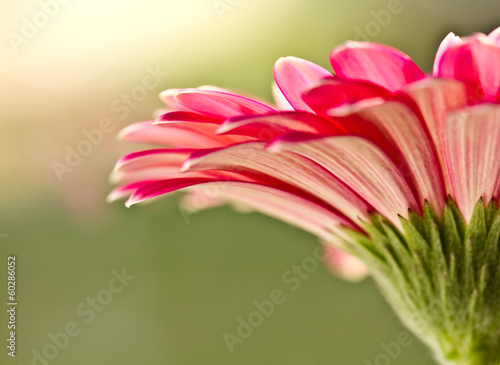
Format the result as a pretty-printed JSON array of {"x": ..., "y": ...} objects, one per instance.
[{"x": 442, "y": 276}]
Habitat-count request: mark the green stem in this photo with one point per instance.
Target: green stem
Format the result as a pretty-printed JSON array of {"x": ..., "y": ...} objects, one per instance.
[{"x": 465, "y": 356}]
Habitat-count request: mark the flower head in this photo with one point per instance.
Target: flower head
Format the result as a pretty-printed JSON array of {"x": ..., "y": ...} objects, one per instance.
[{"x": 377, "y": 159}]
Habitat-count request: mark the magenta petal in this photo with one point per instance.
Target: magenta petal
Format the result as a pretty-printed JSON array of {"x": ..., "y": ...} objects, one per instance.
[
  {"x": 144, "y": 132},
  {"x": 294, "y": 75},
  {"x": 220, "y": 104},
  {"x": 434, "y": 98},
  {"x": 476, "y": 64},
  {"x": 480, "y": 38},
  {"x": 159, "y": 156},
  {"x": 125, "y": 190},
  {"x": 172, "y": 136},
  {"x": 450, "y": 41},
  {"x": 280, "y": 204},
  {"x": 157, "y": 164},
  {"x": 194, "y": 201},
  {"x": 382, "y": 65},
  {"x": 168, "y": 97},
  {"x": 473, "y": 155},
  {"x": 328, "y": 94},
  {"x": 196, "y": 125},
  {"x": 288, "y": 169},
  {"x": 343, "y": 264},
  {"x": 416, "y": 156},
  {"x": 151, "y": 173},
  {"x": 280, "y": 99},
  {"x": 363, "y": 167},
  {"x": 495, "y": 36},
  {"x": 157, "y": 188},
  {"x": 160, "y": 164},
  {"x": 269, "y": 126},
  {"x": 176, "y": 116}
]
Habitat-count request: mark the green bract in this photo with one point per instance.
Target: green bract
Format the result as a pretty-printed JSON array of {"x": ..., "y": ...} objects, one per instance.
[{"x": 442, "y": 277}]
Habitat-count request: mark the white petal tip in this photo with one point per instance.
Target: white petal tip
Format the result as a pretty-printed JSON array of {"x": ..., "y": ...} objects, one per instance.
[
  {"x": 186, "y": 166},
  {"x": 348, "y": 109},
  {"x": 169, "y": 92},
  {"x": 113, "y": 178},
  {"x": 274, "y": 147},
  {"x": 112, "y": 197},
  {"x": 223, "y": 128},
  {"x": 121, "y": 135},
  {"x": 130, "y": 202}
]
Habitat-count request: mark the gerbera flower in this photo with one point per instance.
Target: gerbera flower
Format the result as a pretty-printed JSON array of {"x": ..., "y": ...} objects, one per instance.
[{"x": 394, "y": 167}]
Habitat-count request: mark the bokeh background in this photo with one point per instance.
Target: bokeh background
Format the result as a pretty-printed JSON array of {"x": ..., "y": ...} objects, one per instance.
[{"x": 194, "y": 275}]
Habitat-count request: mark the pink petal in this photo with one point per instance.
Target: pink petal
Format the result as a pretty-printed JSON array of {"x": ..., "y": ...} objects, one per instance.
[
  {"x": 154, "y": 157},
  {"x": 214, "y": 88},
  {"x": 450, "y": 41},
  {"x": 363, "y": 167},
  {"x": 198, "y": 124},
  {"x": 416, "y": 157},
  {"x": 294, "y": 75},
  {"x": 159, "y": 173},
  {"x": 269, "y": 126},
  {"x": 435, "y": 97},
  {"x": 382, "y": 65},
  {"x": 157, "y": 164},
  {"x": 185, "y": 116},
  {"x": 148, "y": 133},
  {"x": 233, "y": 92},
  {"x": 473, "y": 155},
  {"x": 478, "y": 38},
  {"x": 161, "y": 164},
  {"x": 343, "y": 264},
  {"x": 495, "y": 36},
  {"x": 476, "y": 64},
  {"x": 287, "y": 207},
  {"x": 347, "y": 110},
  {"x": 347, "y": 118},
  {"x": 168, "y": 97},
  {"x": 151, "y": 173},
  {"x": 274, "y": 202},
  {"x": 220, "y": 104},
  {"x": 284, "y": 170},
  {"x": 125, "y": 190},
  {"x": 194, "y": 201},
  {"x": 329, "y": 94},
  {"x": 280, "y": 99},
  {"x": 161, "y": 187}
]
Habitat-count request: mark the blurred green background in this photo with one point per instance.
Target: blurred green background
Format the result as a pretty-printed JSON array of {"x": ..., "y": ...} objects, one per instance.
[{"x": 194, "y": 276}]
